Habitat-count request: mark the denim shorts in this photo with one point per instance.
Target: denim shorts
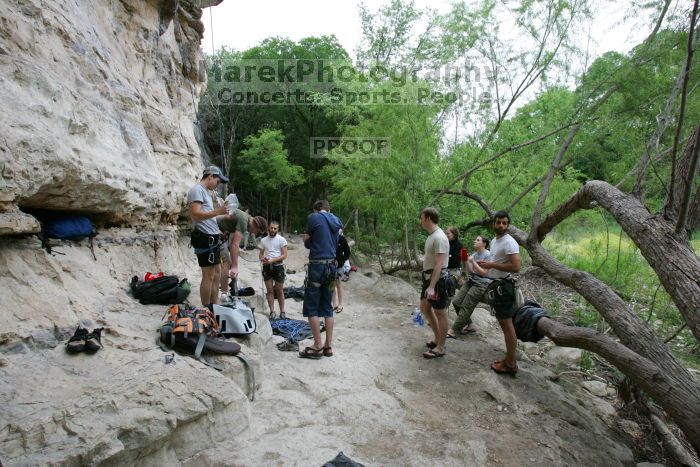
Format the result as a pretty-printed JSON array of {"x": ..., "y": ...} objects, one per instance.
[{"x": 318, "y": 296}]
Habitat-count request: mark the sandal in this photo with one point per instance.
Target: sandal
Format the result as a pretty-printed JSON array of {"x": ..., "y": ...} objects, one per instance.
[
  {"x": 339, "y": 309},
  {"x": 504, "y": 368},
  {"x": 467, "y": 330},
  {"x": 77, "y": 342},
  {"x": 283, "y": 315},
  {"x": 328, "y": 351},
  {"x": 431, "y": 345},
  {"x": 310, "y": 352},
  {"x": 432, "y": 353},
  {"x": 93, "y": 341},
  {"x": 272, "y": 315}
]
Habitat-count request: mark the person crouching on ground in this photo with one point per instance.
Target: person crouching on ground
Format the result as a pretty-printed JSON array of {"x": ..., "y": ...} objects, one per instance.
[
  {"x": 505, "y": 259},
  {"x": 473, "y": 290},
  {"x": 206, "y": 236},
  {"x": 433, "y": 302},
  {"x": 273, "y": 252},
  {"x": 321, "y": 238}
]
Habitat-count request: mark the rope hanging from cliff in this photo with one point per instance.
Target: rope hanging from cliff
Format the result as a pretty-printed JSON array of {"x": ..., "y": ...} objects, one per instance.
[{"x": 224, "y": 159}]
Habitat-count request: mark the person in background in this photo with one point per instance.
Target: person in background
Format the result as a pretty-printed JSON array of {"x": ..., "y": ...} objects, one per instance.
[
  {"x": 248, "y": 238},
  {"x": 273, "y": 253},
  {"x": 225, "y": 255},
  {"x": 342, "y": 255},
  {"x": 454, "y": 263},
  {"x": 321, "y": 238},
  {"x": 472, "y": 292},
  {"x": 206, "y": 236}
]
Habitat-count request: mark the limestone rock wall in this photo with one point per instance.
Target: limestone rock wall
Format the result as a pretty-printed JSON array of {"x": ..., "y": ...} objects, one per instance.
[
  {"x": 97, "y": 115},
  {"x": 98, "y": 108},
  {"x": 123, "y": 405}
]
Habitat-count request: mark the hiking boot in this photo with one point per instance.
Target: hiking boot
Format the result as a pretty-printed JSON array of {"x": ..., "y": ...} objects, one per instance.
[
  {"x": 93, "y": 341},
  {"x": 77, "y": 342}
]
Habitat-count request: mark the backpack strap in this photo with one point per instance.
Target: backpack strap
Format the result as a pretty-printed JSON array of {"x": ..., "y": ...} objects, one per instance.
[
  {"x": 92, "y": 246},
  {"x": 251, "y": 372}
]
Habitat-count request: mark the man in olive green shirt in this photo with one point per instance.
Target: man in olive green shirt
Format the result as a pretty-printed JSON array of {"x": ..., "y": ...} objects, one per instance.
[{"x": 235, "y": 225}]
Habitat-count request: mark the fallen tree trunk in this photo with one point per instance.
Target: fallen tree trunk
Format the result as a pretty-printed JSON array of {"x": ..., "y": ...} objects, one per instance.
[
  {"x": 655, "y": 381},
  {"x": 668, "y": 253}
]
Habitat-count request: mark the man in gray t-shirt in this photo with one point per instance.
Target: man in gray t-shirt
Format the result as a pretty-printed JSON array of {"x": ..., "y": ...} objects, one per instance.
[
  {"x": 206, "y": 235},
  {"x": 433, "y": 303}
]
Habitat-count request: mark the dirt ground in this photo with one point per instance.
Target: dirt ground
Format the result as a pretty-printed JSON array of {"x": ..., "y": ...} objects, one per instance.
[{"x": 378, "y": 401}]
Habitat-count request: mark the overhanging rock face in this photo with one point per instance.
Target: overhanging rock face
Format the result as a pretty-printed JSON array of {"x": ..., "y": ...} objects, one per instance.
[{"x": 99, "y": 106}]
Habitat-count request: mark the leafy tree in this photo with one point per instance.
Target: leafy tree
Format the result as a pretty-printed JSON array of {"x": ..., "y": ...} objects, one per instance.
[{"x": 266, "y": 163}]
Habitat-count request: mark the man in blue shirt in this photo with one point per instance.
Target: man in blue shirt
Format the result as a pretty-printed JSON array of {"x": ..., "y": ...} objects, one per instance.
[{"x": 321, "y": 238}]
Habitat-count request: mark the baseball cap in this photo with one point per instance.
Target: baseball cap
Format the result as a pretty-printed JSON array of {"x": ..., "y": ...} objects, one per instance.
[{"x": 214, "y": 170}]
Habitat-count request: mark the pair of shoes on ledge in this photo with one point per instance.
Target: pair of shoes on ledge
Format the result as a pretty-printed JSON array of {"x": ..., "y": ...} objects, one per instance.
[{"x": 84, "y": 341}]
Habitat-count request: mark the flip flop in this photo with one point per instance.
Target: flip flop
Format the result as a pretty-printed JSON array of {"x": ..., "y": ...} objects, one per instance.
[
  {"x": 328, "y": 351},
  {"x": 432, "y": 353},
  {"x": 339, "y": 309},
  {"x": 310, "y": 352},
  {"x": 451, "y": 336},
  {"x": 466, "y": 330},
  {"x": 501, "y": 367}
]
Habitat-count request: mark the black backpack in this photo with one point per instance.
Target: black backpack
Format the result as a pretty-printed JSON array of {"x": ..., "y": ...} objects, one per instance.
[{"x": 165, "y": 290}]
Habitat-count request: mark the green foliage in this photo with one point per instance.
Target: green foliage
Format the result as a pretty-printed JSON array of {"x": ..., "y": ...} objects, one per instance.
[
  {"x": 586, "y": 363},
  {"x": 265, "y": 161},
  {"x": 589, "y": 242}
]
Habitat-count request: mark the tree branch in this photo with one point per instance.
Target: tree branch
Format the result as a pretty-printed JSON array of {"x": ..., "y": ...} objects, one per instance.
[
  {"x": 653, "y": 236},
  {"x": 500, "y": 154},
  {"x": 553, "y": 169},
  {"x": 684, "y": 95},
  {"x": 473, "y": 196},
  {"x": 658, "y": 22},
  {"x": 641, "y": 371},
  {"x": 688, "y": 178},
  {"x": 663, "y": 120}
]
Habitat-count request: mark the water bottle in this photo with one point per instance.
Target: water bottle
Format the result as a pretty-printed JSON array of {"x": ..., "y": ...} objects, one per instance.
[
  {"x": 232, "y": 201},
  {"x": 418, "y": 318}
]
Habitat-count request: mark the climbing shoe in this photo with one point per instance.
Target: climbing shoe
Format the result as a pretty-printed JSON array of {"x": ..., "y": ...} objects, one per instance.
[
  {"x": 93, "y": 341},
  {"x": 77, "y": 342}
]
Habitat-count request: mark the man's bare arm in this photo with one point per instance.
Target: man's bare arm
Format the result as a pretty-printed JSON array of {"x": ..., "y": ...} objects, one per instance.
[
  {"x": 511, "y": 265},
  {"x": 198, "y": 215}
]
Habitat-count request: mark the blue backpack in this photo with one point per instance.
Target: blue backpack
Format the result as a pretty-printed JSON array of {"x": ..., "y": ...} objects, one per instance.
[
  {"x": 73, "y": 228},
  {"x": 69, "y": 228}
]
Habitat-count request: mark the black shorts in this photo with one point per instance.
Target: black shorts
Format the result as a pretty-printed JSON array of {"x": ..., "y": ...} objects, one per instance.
[
  {"x": 206, "y": 247},
  {"x": 440, "y": 303},
  {"x": 209, "y": 259},
  {"x": 501, "y": 296},
  {"x": 273, "y": 272}
]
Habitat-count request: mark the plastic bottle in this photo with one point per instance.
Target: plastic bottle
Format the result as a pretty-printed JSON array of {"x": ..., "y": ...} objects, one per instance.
[
  {"x": 418, "y": 318},
  {"x": 232, "y": 201}
]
